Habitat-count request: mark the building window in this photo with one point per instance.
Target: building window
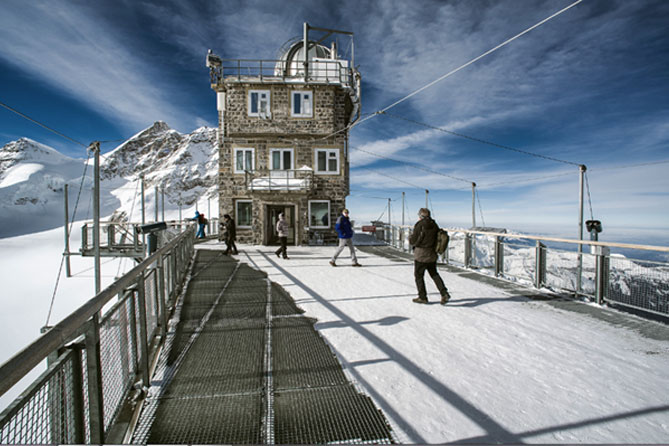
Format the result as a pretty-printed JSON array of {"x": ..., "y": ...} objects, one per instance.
[
  {"x": 281, "y": 159},
  {"x": 301, "y": 104},
  {"x": 319, "y": 214},
  {"x": 244, "y": 159},
  {"x": 244, "y": 213},
  {"x": 259, "y": 103},
  {"x": 327, "y": 161}
]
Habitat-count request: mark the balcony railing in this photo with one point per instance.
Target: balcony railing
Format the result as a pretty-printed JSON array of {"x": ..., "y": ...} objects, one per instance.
[
  {"x": 331, "y": 71},
  {"x": 300, "y": 180}
]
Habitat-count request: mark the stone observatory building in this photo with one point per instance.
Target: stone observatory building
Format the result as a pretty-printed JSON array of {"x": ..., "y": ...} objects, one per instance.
[{"x": 283, "y": 137}]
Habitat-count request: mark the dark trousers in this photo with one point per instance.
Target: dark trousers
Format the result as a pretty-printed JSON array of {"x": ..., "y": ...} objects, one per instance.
[
  {"x": 282, "y": 250},
  {"x": 230, "y": 246},
  {"x": 419, "y": 273}
]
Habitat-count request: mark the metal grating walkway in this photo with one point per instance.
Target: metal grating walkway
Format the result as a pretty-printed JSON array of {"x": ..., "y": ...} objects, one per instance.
[{"x": 241, "y": 365}]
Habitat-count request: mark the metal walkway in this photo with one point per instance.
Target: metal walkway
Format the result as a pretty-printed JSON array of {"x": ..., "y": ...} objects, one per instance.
[{"x": 241, "y": 365}]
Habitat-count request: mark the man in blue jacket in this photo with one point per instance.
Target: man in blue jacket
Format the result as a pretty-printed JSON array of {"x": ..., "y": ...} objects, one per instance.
[{"x": 345, "y": 233}]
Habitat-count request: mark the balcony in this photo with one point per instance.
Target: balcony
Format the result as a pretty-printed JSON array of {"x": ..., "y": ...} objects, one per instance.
[
  {"x": 321, "y": 70},
  {"x": 300, "y": 180}
]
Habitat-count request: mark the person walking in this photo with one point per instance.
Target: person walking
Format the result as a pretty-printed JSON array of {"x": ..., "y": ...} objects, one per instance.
[
  {"x": 230, "y": 234},
  {"x": 282, "y": 231},
  {"x": 424, "y": 240},
  {"x": 201, "y": 221},
  {"x": 345, "y": 234}
]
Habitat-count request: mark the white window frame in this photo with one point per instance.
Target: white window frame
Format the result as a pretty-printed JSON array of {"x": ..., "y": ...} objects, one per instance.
[
  {"x": 235, "y": 155},
  {"x": 327, "y": 158},
  {"x": 237, "y": 202},
  {"x": 329, "y": 219},
  {"x": 309, "y": 102},
  {"x": 281, "y": 150},
  {"x": 259, "y": 113}
]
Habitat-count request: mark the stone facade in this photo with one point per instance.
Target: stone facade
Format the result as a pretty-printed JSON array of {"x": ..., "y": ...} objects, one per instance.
[{"x": 259, "y": 137}]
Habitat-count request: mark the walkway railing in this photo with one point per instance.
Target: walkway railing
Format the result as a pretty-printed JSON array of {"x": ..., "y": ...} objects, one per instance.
[
  {"x": 96, "y": 357},
  {"x": 604, "y": 277},
  {"x": 126, "y": 239}
]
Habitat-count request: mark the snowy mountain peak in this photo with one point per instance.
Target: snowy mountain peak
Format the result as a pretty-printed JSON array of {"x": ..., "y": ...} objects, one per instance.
[{"x": 32, "y": 176}]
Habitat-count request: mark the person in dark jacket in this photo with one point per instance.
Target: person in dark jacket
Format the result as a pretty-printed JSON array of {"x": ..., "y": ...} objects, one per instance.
[
  {"x": 345, "y": 234},
  {"x": 282, "y": 232},
  {"x": 424, "y": 240},
  {"x": 230, "y": 234}
]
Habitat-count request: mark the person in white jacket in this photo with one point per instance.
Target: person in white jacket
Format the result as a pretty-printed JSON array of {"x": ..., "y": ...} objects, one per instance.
[{"x": 282, "y": 231}]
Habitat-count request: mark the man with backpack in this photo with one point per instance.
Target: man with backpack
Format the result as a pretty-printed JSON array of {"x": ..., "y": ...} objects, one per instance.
[{"x": 424, "y": 241}]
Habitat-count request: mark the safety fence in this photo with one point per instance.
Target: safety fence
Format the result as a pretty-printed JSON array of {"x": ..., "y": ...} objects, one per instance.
[
  {"x": 98, "y": 358},
  {"x": 594, "y": 273}
]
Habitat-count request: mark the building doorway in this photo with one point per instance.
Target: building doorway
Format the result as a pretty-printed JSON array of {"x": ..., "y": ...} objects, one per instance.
[{"x": 272, "y": 217}]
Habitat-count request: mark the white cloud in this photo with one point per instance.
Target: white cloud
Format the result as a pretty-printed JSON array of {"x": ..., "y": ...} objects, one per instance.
[{"x": 61, "y": 45}]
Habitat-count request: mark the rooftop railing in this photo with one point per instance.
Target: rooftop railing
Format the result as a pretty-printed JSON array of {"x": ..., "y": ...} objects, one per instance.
[{"x": 331, "y": 71}]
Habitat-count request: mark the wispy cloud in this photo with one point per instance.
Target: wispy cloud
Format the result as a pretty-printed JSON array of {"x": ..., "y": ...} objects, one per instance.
[{"x": 74, "y": 51}]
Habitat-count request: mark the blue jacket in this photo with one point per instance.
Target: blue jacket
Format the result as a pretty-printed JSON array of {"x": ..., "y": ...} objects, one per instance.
[{"x": 343, "y": 227}]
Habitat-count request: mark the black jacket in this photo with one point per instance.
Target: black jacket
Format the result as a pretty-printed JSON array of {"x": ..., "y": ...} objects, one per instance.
[
  {"x": 230, "y": 229},
  {"x": 424, "y": 240}
]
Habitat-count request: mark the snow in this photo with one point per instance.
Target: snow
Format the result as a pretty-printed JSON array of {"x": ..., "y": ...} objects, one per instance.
[
  {"x": 488, "y": 367},
  {"x": 491, "y": 366},
  {"x": 19, "y": 173}
]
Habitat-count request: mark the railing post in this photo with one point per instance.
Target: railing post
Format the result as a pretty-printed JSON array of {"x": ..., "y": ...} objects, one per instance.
[
  {"x": 468, "y": 250},
  {"x": 94, "y": 371},
  {"x": 540, "y": 270},
  {"x": 602, "y": 273},
  {"x": 78, "y": 416},
  {"x": 84, "y": 238},
  {"x": 162, "y": 298},
  {"x": 499, "y": 256},
  {"x": 143, "y": 341},
  {"x": 110, "y": 235}
]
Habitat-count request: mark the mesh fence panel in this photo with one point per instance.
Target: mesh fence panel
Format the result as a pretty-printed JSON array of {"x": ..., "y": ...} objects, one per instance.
[
  {"x": 640, "y": 284},
  {"x": 456, "y": 248},
  {"x": 117, "y": 360},
  {"x": 44, "y": 414},
  {"x": 150, "y": 298},
  {"x": 483, "y": 249},
  {"x": 519, "y": 262}
]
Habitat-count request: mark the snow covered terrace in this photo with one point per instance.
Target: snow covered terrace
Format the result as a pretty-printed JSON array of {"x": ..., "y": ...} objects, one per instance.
[{"x": 499, "y": 364}]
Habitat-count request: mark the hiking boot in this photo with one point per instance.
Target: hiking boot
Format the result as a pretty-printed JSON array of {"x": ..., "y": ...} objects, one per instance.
[
  {"x": 445, "y": 297},
  {"x": 278, "y": 256},
  {"x": 356, "y": 264},
  {"x": 333, "y": 263},
  {"x": 420, "y": 300}
]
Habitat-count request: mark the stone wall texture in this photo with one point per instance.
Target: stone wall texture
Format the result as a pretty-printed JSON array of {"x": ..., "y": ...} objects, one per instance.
[{"x": 331, "y": 114}]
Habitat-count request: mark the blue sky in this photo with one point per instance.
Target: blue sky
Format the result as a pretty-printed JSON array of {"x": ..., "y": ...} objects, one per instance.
[{"x": 590, "y": 86}]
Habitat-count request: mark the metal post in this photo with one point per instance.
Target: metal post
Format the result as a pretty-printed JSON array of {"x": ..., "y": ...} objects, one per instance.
[
  {"x": 499, "y": 257},
  {"x": 143, "y": 341},
  {"x": 403, "y": 208},
  {"x": 468, "y": 250},
  {"x": 77, "y": 396},
  {"x": 473, "y": 205},
  {"x": 602, "y": 273},
  {"x": 95, "y": 146},
  {"x": 141, "y": 183},
  {"x": 162, "y": 190},
  {"x": 426, "y": 193},
  {"x": 540, "y": 265},
  {"x": 156, "y": 203},
  {"x": 579, "y": 274},
  {"x": 68, "y": 271},
  {"x": 389, "y": 221},
  {"x": 94, "y": 373},
  {"x": 306, "y": 52}
]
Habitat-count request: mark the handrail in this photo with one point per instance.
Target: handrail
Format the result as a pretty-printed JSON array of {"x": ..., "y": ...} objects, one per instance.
[{"x": 25, "y": 360}]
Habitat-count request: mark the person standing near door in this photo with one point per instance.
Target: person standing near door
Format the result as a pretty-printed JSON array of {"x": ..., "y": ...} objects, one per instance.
[
  {"x": 282, "y": 231},
  {"x": 230, "y": 234},
  {"x": 345, "y": 233}
]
